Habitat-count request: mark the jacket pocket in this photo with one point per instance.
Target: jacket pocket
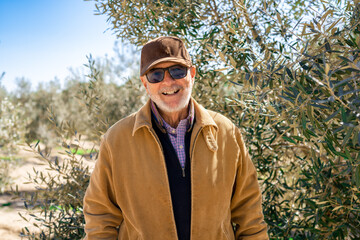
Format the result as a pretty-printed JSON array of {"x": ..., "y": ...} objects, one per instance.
[
  {"x": 126, "y": 233},
  {"x": 132, "y": 237}
]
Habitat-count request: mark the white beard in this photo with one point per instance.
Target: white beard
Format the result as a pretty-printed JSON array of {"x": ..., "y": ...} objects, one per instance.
[{"x": 184, "y": 102}]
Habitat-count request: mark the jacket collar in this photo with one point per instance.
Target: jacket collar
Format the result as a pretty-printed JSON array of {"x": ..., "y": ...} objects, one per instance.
[
  {"x": 203, "y": 118},
  {"x": 205, "y": 123},
  {"x": 143, "y": 117}
]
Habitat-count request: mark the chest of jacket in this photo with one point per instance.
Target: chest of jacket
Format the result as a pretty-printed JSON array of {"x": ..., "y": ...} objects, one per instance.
[{"x": 142, "y": 190}]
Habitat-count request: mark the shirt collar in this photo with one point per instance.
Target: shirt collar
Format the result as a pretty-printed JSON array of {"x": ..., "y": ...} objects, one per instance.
[
  {"x": 202, "y": 118},
  {"x": 163, "y": 125}
]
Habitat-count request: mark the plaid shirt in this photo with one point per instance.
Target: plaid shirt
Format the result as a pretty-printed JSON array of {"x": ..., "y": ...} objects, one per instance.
[{"x": 176, "y": 135}]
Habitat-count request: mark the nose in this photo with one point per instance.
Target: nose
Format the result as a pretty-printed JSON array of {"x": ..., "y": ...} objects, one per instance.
[{"x": 168, "y": 78}]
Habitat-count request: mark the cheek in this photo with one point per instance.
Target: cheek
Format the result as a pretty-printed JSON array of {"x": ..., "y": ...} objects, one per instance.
[
  {"x": 150, "y": 89},
  {"x": 145, "y": 83},
  {"x": 190, "y": 83}
]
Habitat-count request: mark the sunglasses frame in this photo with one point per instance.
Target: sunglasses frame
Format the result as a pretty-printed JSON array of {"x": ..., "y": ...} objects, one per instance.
[{"x": 164, "y": 70}]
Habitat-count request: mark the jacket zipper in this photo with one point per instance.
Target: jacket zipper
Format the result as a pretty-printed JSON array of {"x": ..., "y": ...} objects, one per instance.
[
  {"x": 192, "y": 149},
  {"x": 192, "y": 189},
  {"x": 183, "y": 169},
  {"x": 157, "y": 139}
]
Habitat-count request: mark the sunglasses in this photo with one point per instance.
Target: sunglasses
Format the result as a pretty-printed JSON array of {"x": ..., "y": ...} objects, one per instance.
[{"x": 156, "y": 75}]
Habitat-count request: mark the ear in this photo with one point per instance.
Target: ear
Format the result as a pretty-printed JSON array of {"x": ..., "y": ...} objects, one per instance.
[
  {"x": 144, "y": 81},
  {"x": 193, "y": 73}
]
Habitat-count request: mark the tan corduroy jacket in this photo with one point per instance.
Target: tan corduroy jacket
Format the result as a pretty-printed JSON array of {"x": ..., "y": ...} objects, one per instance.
[{"x": 129, "y": 196}]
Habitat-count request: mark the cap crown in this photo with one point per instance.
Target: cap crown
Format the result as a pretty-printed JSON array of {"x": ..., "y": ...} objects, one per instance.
[{"x": 163, "y": 49}]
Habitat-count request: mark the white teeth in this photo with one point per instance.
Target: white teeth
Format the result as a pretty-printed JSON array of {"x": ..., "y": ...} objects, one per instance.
[{"x": 168, "y": 93}]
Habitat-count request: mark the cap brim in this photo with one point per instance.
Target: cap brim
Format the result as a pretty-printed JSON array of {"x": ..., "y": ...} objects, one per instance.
[{"x": 167, "y": 59}]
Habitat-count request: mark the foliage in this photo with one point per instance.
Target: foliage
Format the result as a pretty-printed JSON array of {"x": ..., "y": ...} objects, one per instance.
[
  {"x": 287, "y": 73},
  {"x": 55, "y": 208},
  {"x": 115, "y": 83},
  {"x": 107, "y": 103},
  {"x": 12, "y": 129},
  {"x": 11, "y": 132},
  {"x": 5, "y": 179},
  {"x": 12, "y": 124},
  {"x": 34, "y": 105},
  {"x": 2, "y": 89}
]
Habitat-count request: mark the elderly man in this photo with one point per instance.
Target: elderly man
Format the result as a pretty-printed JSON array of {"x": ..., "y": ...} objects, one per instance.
[{"x": 173, "y": 170}]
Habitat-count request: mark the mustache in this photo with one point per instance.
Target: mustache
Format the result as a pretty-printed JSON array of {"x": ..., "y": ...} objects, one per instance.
[{"x": 170, "y": 89}]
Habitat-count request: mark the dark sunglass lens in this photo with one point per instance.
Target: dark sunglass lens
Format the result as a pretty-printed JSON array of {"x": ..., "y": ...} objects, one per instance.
[
  {"x": 155, "y": 76},
  {"x": 178, "y": 72}
]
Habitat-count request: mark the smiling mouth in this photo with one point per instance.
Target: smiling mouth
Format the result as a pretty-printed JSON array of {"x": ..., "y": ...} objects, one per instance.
[{"x": 171, "y": 92}]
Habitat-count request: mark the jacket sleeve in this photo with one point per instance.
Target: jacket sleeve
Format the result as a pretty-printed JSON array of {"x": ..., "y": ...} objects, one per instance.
[
  {"x": 102, "y": 215},
  {"x": 246, "y": 209}
]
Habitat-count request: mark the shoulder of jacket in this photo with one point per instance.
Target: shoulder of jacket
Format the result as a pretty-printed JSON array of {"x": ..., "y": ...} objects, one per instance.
[
  {"x": 122, "y": 127},
  {"x": 221, "y": 120}
]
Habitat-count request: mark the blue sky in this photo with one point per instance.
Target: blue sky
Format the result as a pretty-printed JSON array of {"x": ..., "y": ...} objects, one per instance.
[{"x": 41, "y": 39}]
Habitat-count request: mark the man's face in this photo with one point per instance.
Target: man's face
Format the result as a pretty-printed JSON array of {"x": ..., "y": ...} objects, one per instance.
[{"x": 170, "y": 95}]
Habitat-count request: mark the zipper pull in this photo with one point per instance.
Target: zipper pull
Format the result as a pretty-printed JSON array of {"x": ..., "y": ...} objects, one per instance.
[{"x": 183, "y": 172}]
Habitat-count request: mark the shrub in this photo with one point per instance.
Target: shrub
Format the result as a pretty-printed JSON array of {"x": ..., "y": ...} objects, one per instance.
[
  {"x": 12, "y": 125},
  {"x": 288, "y": 76},
  {"x": 55, "y": 208},
  {"x": 5, "y": 179},
  {"x": 12, "y": 130},
  {"x": 56, "y": 205}
]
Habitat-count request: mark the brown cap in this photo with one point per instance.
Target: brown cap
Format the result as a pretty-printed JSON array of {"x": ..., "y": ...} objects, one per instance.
[{"x": 163, "y": 49}]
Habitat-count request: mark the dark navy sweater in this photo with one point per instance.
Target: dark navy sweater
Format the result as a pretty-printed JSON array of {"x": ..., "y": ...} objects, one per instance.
[{"x": 180, "y": 186}]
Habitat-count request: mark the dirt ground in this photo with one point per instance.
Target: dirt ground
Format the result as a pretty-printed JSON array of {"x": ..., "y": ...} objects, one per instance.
[{"x": 10, "y": 221}]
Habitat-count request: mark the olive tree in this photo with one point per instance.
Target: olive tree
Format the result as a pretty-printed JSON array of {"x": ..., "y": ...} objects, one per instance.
[
  {"x": 287, "y": 73},
  {"x": 77, "y": 116}
]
